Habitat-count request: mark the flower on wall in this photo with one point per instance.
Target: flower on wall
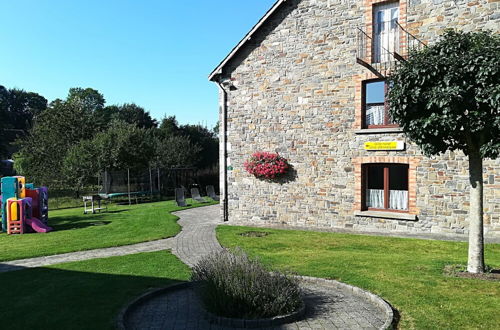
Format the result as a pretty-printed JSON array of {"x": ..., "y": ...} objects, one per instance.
[{"x": 267, "y": 165}]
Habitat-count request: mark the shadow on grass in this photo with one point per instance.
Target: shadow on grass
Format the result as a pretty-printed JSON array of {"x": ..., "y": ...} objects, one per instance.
[
  {"x": 79, "y": 225},
  {"x": 82, "y": 220},
  {"x": 64, "y": 299}
]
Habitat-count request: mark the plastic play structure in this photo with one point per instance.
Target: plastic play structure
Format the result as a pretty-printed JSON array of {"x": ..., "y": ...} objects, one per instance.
[{"x": 23, "y": 207}]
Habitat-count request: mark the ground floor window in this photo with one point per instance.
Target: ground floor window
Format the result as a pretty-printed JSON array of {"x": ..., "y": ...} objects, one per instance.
[{"x": 386, "y": 187}]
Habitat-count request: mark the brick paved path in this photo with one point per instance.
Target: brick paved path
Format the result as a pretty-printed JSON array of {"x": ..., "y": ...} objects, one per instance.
[
  {"x": 197, "y": 237},
  {"x": 327, "y": 308},
  {"x": 327, "y": 305}
]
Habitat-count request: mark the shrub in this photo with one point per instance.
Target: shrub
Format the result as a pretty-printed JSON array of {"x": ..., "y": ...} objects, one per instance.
[
  {"x": 234, "y": 285},
  {"x": 267, "y": 165}
]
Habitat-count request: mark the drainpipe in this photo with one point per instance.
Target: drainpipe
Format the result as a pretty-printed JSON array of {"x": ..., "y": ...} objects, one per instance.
[{"x": 223, "y": 148}]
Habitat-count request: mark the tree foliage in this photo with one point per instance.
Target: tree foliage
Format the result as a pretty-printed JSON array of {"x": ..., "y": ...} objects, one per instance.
[
  {"x": 447, "y": 97},
  {"x": 18, "y": 109},
  {"x": 56, "y": 129},
  {"x": 175, "y": 151},
  {"x": 208, "y": 142},
  {"x": 121, "y": 146},
  {"x": 3, "y": 121},
  {"x": 134, "y": 114},
  {"x": 80, "y": 136}
]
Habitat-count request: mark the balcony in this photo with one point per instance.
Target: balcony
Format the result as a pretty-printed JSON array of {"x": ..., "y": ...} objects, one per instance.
[{"x": 384, "y": 46}]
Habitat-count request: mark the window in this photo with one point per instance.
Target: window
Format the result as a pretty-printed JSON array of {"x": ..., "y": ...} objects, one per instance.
[
  {"x": 375, "y": 109},
  {"x": 385, "y": 187},
  {"x": 385, "y": 31}
]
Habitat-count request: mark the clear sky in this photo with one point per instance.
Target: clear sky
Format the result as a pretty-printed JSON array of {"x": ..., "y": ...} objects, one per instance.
[{"x": 156, "y": 53}]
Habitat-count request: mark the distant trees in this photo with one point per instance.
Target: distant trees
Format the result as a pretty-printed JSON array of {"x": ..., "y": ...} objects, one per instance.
[
  {"x": 208, "y": 142},
  {"x": 55, "y": 131},
  {"x": 18, "y": 109},
  {"x": 3, "y": 122},
  {"x": 72, "y": 140},
  {"x": 128, "y": 112}
]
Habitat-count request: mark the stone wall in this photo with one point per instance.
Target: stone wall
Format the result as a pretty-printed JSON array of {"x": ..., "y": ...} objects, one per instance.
[{"x": 296, "y": 92}]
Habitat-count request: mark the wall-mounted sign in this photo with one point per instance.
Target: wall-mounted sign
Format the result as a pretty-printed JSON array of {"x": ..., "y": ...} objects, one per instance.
[{"x": 385, "y": 145}]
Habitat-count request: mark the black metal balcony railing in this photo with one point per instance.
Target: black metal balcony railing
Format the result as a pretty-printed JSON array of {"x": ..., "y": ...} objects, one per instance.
[{"x": 390, "y": 44}]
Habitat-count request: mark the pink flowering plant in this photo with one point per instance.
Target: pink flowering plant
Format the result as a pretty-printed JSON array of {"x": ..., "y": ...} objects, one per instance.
[{"x": 267, "y": 165}]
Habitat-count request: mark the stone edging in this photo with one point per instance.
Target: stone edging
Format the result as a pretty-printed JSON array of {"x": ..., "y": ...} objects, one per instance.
[
  {"x": 382, "y": 304},
  {"x": 257, "y": 323},
  {"x": 121, "y": 318}
]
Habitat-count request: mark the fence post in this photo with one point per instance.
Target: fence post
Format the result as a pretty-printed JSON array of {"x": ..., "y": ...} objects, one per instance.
[
  {"x": 151, "y": 183},
  {"x": 128, "y": 184},
  {"x": 159, "y": 183}
]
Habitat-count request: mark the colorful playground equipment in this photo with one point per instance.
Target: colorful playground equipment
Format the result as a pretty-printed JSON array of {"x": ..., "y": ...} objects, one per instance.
[{"x": 23, "y": 207}]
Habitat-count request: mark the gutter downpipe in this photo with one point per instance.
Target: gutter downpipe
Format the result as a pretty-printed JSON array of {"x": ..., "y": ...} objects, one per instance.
[{"x": 223, "y": 149}]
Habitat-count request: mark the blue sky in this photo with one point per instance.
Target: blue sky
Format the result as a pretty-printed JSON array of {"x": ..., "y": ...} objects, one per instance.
[{"x": 156, "y": 53}]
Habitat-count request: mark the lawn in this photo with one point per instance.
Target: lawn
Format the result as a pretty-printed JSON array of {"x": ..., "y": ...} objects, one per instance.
[
  {"x": 75, "y": 231},
  {"x": 408, "y": 273},
  {"x": 85, "y": 294}
]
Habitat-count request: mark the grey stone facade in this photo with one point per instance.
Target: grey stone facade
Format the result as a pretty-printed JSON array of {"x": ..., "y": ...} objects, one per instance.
[{"x": 296, "y": 92}]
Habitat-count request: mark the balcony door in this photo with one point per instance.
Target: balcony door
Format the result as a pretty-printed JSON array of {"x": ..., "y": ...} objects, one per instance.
[{"x": 385, "y": 31}]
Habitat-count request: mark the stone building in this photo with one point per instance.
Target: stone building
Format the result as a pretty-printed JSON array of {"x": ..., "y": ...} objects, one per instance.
[{"x": 308, "y": 82}]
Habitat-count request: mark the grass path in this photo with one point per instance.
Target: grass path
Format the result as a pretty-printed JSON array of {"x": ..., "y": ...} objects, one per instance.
[
  {"x": 406, "y": 272},
  {"x": 75, "y": 231}
]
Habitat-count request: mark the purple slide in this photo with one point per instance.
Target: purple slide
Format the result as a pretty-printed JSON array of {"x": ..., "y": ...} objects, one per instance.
[{"x": 38, "y": 226}]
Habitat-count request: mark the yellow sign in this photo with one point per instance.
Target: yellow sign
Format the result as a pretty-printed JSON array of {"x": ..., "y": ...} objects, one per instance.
[{"x": 385, "y": 145}]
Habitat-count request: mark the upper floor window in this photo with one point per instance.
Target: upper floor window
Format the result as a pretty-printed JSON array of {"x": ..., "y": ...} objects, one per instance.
[
  {"x": 385, "y": 31},
  {"x": 375, "y": 108}
]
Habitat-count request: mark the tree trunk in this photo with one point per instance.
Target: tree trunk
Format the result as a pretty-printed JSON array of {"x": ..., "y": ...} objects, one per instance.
[{"x": 475, "y": 262}]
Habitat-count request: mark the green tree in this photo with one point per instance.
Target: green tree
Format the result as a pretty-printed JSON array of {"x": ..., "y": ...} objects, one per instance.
[
  {"x": 3, "y": 121},
  {"x": 134, "y": 114},
  {"x": 87, "y": 100},
  {"x": 447, "y": 97},
  {"x": 18, "y": 108},
  {"x": 80, "y": 165},
  {"x": 55, "y": 131},
  {"x": 169, "y": 126},
  {"x": 124, "y": 146},
  {"x": 208, "y": 142},
  {"x": 175, "y": 151},
  {"x": 23, "y": 107}
]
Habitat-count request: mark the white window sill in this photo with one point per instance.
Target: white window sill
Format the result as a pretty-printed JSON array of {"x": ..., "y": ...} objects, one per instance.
[
  {"x": 379, "y": 130},
  {"x": 386, "y": 215}
]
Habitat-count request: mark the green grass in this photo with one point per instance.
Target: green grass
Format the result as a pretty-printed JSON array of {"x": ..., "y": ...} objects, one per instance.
[
  {"x": 408, "y": 273},
  {"x": 75, "y": 231},
  {"x": 85, "y": 294}
]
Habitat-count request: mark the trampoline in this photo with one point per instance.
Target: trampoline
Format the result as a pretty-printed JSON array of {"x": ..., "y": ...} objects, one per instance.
[{"x": 131, "y": 184}]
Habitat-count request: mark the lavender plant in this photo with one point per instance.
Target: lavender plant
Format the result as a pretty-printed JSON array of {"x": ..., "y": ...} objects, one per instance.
[{"x": 234, "y": 285}]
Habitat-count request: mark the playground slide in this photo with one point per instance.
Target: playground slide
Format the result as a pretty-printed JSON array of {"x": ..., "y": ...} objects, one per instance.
[{"x": 38, "y": 226}]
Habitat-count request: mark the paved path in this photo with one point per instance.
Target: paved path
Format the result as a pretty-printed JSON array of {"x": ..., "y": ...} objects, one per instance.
[
  {"x": 329, "y": 304},
  {"x": 198, "y": 224},
  {"x": 197, "y": 237},
  {"x": 327, "y": 307},
  {"x": 158, "y": 245}
]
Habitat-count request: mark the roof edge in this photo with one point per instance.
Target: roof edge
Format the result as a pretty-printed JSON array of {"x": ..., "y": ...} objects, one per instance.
[{"x": 247, "y": 37}]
